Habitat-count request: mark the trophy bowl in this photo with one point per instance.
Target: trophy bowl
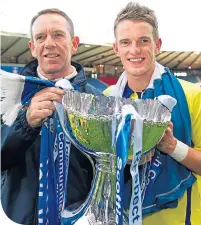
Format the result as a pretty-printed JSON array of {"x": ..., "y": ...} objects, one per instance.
[
  {"x": 92, "y": 120},
  {"x": 91, "y": 125}
]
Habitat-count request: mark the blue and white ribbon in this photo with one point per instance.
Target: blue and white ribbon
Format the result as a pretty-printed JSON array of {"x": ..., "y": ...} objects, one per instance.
[
  {"x": 53, "y": 172},
  {"x": 135, "y": 211},
  {"x": 122, "y": 147},
  {"x": 62, "y": 163}
]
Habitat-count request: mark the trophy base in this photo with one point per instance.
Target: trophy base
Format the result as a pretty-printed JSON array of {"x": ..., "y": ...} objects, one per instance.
[
  {"x": 90, "y": 219},
  {"x": 101, "y": 210}
]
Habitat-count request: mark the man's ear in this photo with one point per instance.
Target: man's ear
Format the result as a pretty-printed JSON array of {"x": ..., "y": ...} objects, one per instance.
[
  {"x": 32, "y": 48},
  {"x": 75, "y": 44},
  {"x": 158, "y": 45},
  {"x": 115, "y": 48}
]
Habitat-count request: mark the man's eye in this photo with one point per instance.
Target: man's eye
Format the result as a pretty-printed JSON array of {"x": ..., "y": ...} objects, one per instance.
[
  {"x": 124, "y": 42},
  {"x": 59, "y": 35},
  {"x": 40, "y": 38},
  {"x": 144, "y": 40}
]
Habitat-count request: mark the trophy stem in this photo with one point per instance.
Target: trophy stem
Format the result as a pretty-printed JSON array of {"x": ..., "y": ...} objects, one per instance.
[{"x": 101, "y": 210}]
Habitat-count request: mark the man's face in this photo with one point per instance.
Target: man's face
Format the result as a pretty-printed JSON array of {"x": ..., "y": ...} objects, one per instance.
[
  {"x": 52, "y": 45},
  {"x": 136, "y": 47}
]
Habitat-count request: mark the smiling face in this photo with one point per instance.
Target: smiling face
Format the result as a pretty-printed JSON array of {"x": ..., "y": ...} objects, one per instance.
[
  {"x": 136, "y": 46},
  {"x": 52, "y": 45}
]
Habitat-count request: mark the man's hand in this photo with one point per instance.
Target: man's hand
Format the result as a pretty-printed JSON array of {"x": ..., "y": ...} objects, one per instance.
[
  {"x": 190, "y": 158},
  {"x": 42, "y": 105},
  {"x": 168, "y": 142}
]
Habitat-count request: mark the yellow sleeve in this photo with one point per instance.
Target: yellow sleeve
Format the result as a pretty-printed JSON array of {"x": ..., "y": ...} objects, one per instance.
[{"x": 193, "y": 96}]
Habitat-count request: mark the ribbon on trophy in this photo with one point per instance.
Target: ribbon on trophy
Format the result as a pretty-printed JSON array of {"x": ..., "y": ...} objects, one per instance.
[
  {"x": 122, "y": 146},
  {"x": 54, "y": 161},
  {"x": 135, "y": 212}
]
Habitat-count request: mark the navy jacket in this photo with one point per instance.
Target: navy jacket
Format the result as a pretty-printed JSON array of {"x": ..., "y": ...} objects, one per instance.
[{"x": 20, "y": 162}]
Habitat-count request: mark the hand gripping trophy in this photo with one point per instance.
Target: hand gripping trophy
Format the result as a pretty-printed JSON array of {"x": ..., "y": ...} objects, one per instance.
[{"x": 114, "y": 131}]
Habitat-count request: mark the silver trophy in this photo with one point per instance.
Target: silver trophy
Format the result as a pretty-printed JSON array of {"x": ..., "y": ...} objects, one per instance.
[{"x": 95, "y": 125}]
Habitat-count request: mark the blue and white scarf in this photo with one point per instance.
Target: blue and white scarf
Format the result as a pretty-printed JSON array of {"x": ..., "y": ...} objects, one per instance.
[
  {"x": 163, "y": 168},
  {"x": 17, "y": 91}
]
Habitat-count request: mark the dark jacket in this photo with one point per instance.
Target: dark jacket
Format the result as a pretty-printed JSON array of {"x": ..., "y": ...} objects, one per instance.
[{"x": 20, "y": 162}]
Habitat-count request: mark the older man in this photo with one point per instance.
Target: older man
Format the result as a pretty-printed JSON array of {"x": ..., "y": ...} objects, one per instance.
[{"x": 52, "y": 44}]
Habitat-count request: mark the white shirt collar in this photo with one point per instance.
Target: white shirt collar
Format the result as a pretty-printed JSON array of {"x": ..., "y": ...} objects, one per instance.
[
  {"x": 159, "y": 70},
  {"x": 68, "y": 77}
]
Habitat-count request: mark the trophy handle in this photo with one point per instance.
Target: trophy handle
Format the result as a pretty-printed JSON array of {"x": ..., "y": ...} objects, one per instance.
[{"x": 71, "y": 216}]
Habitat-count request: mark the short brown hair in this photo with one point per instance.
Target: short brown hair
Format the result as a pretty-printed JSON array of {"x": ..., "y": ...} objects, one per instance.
[
  {"x": 53, "y": 11},
  {"x": 134, "y": 11}
]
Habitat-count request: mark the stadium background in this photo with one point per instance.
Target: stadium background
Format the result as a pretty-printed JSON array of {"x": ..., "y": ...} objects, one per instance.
[{"x": 102, "y": 66}]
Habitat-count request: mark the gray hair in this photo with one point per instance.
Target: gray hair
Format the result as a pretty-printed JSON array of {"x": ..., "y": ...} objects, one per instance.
[
  {"x": 53, "y": 11},
  {"x": 134, "y": 11}
]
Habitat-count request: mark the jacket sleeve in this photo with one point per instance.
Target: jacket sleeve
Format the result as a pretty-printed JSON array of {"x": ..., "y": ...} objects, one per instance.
[{"x": 15, "y": 141}]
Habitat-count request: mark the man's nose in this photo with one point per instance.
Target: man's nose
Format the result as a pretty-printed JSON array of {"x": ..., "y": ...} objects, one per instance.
[
  {"x": 134, "y": 49},
  {"x": 49, "y": 42}
]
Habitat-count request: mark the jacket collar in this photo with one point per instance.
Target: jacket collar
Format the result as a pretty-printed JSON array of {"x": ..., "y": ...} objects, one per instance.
[{"x": 31, "y": 70}]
